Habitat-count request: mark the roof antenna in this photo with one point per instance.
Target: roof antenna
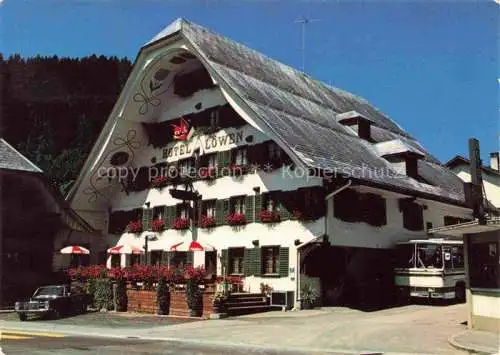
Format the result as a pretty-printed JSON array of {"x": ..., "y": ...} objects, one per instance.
[{"x": 304, "y": 21}]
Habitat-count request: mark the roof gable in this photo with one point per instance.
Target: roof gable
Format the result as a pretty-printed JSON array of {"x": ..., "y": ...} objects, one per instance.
[{"x": 12, "y": 159}]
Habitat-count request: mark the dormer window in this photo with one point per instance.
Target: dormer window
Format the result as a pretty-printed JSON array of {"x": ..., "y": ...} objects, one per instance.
[
  {"x": 359, "y": 123},
  {"x": 403, "y": 158}
]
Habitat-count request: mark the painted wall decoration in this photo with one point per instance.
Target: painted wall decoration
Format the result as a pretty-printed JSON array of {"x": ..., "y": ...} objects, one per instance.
[
  {"x": 121, "y": 154},
  {"x": 153, "y": 82}
]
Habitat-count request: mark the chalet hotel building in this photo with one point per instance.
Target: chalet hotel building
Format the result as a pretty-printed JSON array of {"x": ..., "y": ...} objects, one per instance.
[{"x": 300, "y": 182}]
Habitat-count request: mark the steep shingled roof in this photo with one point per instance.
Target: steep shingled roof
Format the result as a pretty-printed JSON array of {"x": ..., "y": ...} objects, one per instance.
[
  {"x": 302, "y": 112},
  {"x": 12, "y": 159}
]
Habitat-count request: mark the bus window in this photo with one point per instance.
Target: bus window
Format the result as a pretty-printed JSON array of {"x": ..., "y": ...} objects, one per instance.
[
  {"x": 457, "y": 255},
  {"x": 404, "y": 256},
  {"x": 429, "y": 256},
  {"x": 447, "y": 257}
]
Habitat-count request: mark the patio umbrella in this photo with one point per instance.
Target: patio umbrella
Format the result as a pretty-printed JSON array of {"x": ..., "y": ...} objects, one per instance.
[
  {"x": 125, "y": 249},
  {"x": 74, "y": 249},
  {"x": 192, "y": 246}
]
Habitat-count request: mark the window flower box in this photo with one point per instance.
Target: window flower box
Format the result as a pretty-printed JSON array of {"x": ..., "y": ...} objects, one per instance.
[
  {"x": 207, "y": 173},
  {"x": 158, "y": 225},
  {"x": 269, "y": 217},
  {"x": 180, "y": 223},
  {"x": 134, "y": 227},
  {"x": 236, "y": 219},
  {"x": 159, "y": 182},
  {"x": 207, "y": 221}
]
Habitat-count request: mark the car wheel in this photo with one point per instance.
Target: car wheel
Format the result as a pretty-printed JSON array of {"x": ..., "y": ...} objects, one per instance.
[
  {"x": 460, "y": 293},
  {"x": 55, "y": 314},
  {"x": 22, "y": 317}
]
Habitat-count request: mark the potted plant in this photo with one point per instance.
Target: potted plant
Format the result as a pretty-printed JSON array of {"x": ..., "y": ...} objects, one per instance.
[
  {"x": 208, "y": 173},
  {"x": 158, "y": 225},
  {"x": 194, "y": 298},
  {"x": 163, "y": 296},
  {"x": 134, "y": 226},
  {"x": 236, "y": 219},
  {"x": 308, "y": 296},
  {"x": 266, "y": 216},
  {"x": 207, "y": 221},
  {"x": 219, "y": 301},
  {"x": 159, "y": 182},
  {"x": 180, "y": 223}
]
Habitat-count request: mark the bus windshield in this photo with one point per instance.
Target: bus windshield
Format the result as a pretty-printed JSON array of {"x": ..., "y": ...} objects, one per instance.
[
  {"x": 429, "y": 256},
  {"x": 404, "y": 256}
]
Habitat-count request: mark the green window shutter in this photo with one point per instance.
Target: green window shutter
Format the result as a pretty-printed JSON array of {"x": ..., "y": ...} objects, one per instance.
[
  {"x": 283, "y": 262},
  {"x": 224, "y": 260},
  {"x": 252, "y": 262},
  {"x": 282, "y": 206},
  {"x": 258, "y": 206},
  {"x": 223, "y": 159},
  {"x": 190, "y": 258},
  {"x": 225, "y": 209},
  {"x": 147, "y": 215},
  {"x": 219, "y": 212},
  {"x": 169, "y": 216},
  {"x": 249, "y": 209}
]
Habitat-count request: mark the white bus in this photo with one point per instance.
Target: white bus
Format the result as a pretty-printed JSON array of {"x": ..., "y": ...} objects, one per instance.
[{"x": 430, "y": 268}]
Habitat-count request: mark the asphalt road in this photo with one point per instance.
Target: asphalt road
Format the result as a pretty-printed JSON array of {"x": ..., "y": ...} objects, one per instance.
[{"x": 53, "y": 343}]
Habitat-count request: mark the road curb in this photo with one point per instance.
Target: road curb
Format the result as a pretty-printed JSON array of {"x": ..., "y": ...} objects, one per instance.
[{"x": 452, "y": 341}]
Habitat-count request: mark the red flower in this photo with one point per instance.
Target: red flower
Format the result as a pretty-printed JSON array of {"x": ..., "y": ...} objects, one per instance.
[
  {"x": 159, "y": 182},
  {"x": 236, "y": 169},
  {"x": 180, "y": 223},
  {"x": 236, "y": 219},
  {"x": 194, "y": 273},
  {"x": 207, "y": 221},
  {"x": 269, "y": 217},
  {"x": 158, "y": 225},
  {"x": 134, "y": 227}
]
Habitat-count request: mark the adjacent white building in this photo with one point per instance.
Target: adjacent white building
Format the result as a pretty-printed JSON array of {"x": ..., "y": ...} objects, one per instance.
[{"x": 300, "y": 182}]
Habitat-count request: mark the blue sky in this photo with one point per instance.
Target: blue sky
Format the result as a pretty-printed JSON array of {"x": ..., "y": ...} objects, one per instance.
[{"x": 431, "y": 66}]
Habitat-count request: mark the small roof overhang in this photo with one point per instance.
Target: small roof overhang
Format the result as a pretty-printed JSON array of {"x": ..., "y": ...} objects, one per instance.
[{"x": 457, "y": 230}]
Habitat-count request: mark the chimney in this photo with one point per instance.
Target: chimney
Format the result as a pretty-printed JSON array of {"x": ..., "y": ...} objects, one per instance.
[{"x": 494, "y": 161}]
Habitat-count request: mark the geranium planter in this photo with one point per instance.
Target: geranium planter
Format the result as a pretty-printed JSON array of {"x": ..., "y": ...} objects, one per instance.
[
  {"x": 159, "y": 182},
  {"x": 208, "y": 173},
  {"x": 180, "y": 223},
  {"x": 266, "y": 216},
  {"x": 134, "y": 227},
  {"x": 207, "y": 222},
  {"x": 158, "y": 225},
  {"x": 236, "y": 219}
]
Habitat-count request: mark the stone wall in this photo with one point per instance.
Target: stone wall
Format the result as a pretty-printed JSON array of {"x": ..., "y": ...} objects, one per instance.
[{"x": 145, "y": 302}]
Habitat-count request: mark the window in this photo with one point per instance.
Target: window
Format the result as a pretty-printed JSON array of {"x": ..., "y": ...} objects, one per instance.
[
  {"x": 457, "y": 256},
  {"x": 115, "y": 260},
  {"x": 270, "y": 202},
  {"x": 273, "y": 151},
  {"x": 211, "y": 262},
  {"x": 135, "y": 259},
  {"x": 155, "y": 257},
  {"x": 183, "y": 210},
  {"x": 179, "y": 259},
  {"x": 214, "y": 118},
  {"x": 158, "y": 212},
  {"x": 237, "y": 205},
  {"x": 413, "y": 217},
  {"x": 429, "y": 256},
  {"x": 450, "y": 220},
  {"x": 236, "y": 259},
  {"x": 484, "y": 264},
  {"x": 240, "y": 156},
  {"x": 208, "y": 208},
  {"x": 270, "y": 260},
  {"x": 186, "y": 167}
]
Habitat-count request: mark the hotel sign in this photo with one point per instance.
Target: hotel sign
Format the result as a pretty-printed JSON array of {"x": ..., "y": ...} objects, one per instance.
[{"x": 207, "y": 143}]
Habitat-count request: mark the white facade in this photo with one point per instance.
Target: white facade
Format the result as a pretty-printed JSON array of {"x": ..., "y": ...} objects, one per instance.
[{"x": 491, "y": 182}]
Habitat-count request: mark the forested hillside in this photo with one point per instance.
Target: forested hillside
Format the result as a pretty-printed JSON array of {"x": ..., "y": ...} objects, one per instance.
[{"x": 52, "y": 109}]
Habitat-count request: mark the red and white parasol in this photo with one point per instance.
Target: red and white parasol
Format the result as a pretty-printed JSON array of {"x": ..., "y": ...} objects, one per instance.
[
  {"x": 125, "y": 249},
  {"x": 193, "y": 246},
  {"x": 74, "y": 249}
]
